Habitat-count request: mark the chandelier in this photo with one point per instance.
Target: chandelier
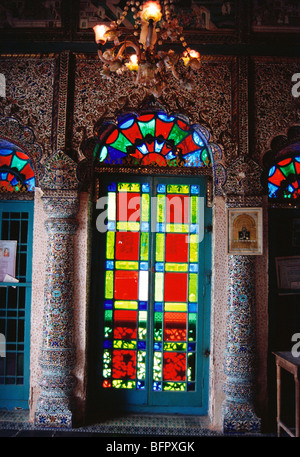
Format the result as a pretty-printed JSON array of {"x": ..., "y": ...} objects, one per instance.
[{"x": 143, "y": 54}]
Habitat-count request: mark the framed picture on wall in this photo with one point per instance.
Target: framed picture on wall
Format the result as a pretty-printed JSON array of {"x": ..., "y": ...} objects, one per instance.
[
  {"x": 288, "y": 275},
  {"x": 244, "y": 227}
]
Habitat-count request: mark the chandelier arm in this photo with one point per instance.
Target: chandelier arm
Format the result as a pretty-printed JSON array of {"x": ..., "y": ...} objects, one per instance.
[{"x": 129, "y": 44}]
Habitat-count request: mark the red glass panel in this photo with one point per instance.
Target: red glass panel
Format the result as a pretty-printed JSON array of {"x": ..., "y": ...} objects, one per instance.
[
  {"x": 182, "y": 125},
  {"x": 124, "y": 364},
  {"x": 146, "y": 117},
  {"x": 163, "y": 128},
  {"x": 277, "y": 177},
  {"x": 297, "y": 166},
  {"x": 125, "y": 325},
  {"x": 28, "y": 171},
  {"x": 178, "y": 208},
  {"x": 174, "y": 366},
  {"x": 176, "y": 247},
  {"x": 127, "y": 245},
  {"x": 126, "y": 285},
  {"x": 133, "y": 132},
  {"x": 128, "y": 206},
  {"x": 187, "y": 145},
  {"x": 5, "y": 160},
  {"x": 175, "y": 327},
  {"x": 112, "y": 137},
  {"x": 176, "y": 287}
]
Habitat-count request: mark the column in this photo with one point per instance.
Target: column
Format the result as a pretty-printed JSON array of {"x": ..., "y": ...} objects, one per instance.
[
  {"x": 240, "y": 355},
  {"x": 57, "y": 356}
]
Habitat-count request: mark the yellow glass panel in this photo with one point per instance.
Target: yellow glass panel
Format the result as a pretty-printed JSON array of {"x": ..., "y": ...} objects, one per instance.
[
  {"x": 160, "y": 247},
  {"x": 193, "y": 287},
  {"x": 144, "y": 254},
  {"x": 109, "y": 284},
  {"x": 175, "y": 306},
  {"x": 160, "y": 210},
  {"x": 110, "y": 245},
  {"x": 183, "y": 267},
  {"x": 126, "y": 304},
  {"x": 178, "y": 189},
  {"x": 126, "y": 265},
  {"x": 129, "y": 187},
  {"x": 193, "y": 244},
  {"x": 145, "y": 207},
  {"x": 128, "y": 226},
  {"x": 194, "y": 209},
  {"x": 177, "y": 228}
]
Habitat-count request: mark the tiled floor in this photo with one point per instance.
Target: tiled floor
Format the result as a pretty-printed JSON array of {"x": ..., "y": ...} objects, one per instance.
[{"x": 16, "y": 424}]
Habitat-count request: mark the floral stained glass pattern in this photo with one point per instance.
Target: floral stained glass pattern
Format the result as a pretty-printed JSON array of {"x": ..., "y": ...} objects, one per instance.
[
  {"x": 153, "y": 139},
  {"x": 16, "y": 171}
]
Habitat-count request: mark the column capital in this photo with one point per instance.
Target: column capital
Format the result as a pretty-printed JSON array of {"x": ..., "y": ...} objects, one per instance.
[{"x": 61, "y": 203}]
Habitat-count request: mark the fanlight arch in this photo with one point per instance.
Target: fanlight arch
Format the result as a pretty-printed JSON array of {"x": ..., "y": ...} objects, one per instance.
[
  {"x": 155, "y": 139},
  {"x": 16, "y": 169}
]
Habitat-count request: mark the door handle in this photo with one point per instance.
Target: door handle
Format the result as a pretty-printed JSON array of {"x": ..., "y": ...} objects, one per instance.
[{"x": 207, "y": 353}]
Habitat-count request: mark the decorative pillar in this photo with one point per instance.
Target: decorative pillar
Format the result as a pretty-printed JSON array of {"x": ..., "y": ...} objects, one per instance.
[
  {"x": 57, "y": 354},
  {"x": 238, "y": 411},
  {"x": 243, "y": 188}
]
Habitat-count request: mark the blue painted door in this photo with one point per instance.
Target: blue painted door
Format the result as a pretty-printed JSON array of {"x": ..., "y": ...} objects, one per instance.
[
  {"x": 151, "y": 282},
  {"x": 16, "y": 224}
]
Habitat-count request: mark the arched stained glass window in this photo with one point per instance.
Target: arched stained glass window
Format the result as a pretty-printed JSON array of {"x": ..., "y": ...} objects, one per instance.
[
  {"x": 284, "y": 178},
  {"x": 154, "y": 139},
  {"x": 16, "y": 170}
]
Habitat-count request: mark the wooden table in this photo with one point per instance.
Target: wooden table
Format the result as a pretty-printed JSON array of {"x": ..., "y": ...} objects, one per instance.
[{"x": 286, "y": 361}]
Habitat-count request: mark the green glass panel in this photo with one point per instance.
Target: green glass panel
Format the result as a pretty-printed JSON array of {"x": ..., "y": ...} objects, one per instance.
[
  {"x": 128, "y": 226},
  {"x": 142, "y": 329},
  {"x": 193, "y": 287},
  {"x": 178, "y": 189},
  {"x": 194, "y": 210},
  {"x": 122, "y": 344},
  {"x": 161, "y": 207},
  {"x": 159, "y": 277},
  {"x": 110, "y": 245},
  {"x": 193, "y": 244},
  {"x": 111, "y": 202},
  {"x": 129, "y": 187},
  {"x": 144, "y": 254},
  {"x": 177, "y": 134},
  {"x": 158, "y": 326},
  {"x": 121, "y": 143},
  {"x": 192, "y": 326},
  {"x": 108, "y": 323},
  {"x": 174, "y": 346},
  {"x": 205, "y": 156},
  {"x": 182, "y": 267},
  {"x": 109, "y": 284},
  {"x": 141, "y": 365},
  {"x": 18, "y": 163},
  {"x": 288, "y": 169},
  {"x": 148, "y": 128},
  {"x": 145, "y": 207},
  {"x": 176, "y": 307},
  {"x": 121, "y": 384},
  {"x": 126, "y": 265},
  {"x": 124, "y": 304},
  {"x": 157, "y": 366},
  {"x": 160, "y": 247},
  {"x": 174, "y": 386}
]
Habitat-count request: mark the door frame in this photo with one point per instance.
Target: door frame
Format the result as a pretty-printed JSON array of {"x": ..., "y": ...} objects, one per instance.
[{"x": 94, "y": 371}]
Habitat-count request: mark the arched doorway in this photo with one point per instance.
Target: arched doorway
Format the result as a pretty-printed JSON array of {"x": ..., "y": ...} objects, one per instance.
[
  {"x": 17, "y": 183},
  {"x": 151, "y": 267}
]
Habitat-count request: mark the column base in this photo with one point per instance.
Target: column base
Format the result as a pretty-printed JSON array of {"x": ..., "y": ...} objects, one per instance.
[
  {"x": 53, "y": 413},
  {"x": 240, "y": 418}
]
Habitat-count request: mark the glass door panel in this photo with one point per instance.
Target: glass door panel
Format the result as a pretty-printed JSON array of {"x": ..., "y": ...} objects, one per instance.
[{"x": 152, "y": 301}]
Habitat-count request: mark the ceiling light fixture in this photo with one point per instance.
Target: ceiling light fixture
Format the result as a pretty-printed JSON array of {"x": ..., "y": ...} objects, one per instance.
[{"x": 144, "y": 53}]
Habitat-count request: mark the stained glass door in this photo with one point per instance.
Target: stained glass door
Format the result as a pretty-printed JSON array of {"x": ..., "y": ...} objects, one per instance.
[{"x": 155, "y": 300}]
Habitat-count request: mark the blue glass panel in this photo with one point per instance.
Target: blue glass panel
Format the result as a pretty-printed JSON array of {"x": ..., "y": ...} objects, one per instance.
[
  {"x": 158, "y": 146},
  {"x": 146, "y": 187},
  {"x": 107, "y": 344},
  {"x": 195, "y": 189},
  {"x": 160, "y": 227},
  {"x": 157, "y": 386},
  {"x": 109, "y": 264},
  {"x": 157, "y": 346},
  {"x": 159, "y": 266},
  {"x": 143, "y": 305},
  {"x": 191, "y": 347},
  {"x": 144, "y": 266},
  {"x": 193, "y": 268},
  {"x": 111, "y": 226},
  {"x": 192, "y": 307},
  {"x": 108, "y": 304},
  {"x": 161, "y": 188},
  {"x": 158, "y": 306},
  {"x": 140, "y": 385},
  {"x": 112, "y": 187},
  {"x": 145, "y": 227},
  {"x": 141, "y": 344}
]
